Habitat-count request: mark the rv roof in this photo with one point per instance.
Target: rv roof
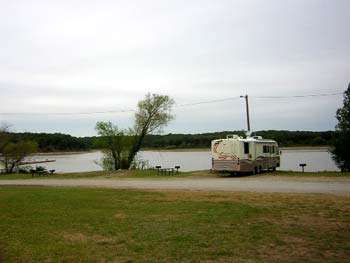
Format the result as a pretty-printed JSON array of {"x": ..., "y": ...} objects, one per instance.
[{"x": 249, "y": 139}]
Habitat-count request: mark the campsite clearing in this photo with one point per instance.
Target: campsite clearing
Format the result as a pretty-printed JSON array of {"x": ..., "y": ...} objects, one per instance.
[{"x": 41, "y": 224}]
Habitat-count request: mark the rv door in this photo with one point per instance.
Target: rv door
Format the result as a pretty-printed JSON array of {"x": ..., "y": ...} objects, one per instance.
[{"x": 246, "y": 150}]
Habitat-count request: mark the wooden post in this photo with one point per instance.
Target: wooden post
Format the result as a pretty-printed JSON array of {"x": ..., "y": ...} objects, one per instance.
[{"x": 247, "y": 111}]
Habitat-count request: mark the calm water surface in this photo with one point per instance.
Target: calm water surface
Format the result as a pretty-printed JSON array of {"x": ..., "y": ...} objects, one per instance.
[{"x": 316, "y": 160}]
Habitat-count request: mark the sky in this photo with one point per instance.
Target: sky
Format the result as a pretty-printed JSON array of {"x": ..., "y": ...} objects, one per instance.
[{"x": 92, "y": 56}]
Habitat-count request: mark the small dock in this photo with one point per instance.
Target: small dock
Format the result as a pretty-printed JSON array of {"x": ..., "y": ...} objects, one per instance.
[{"x": 36, "y": 161}]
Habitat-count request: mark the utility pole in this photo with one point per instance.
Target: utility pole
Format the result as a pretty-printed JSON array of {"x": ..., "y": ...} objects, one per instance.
[{"x": 247, "y": 110}]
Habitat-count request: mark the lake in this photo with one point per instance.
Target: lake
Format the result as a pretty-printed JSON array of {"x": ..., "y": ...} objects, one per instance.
[{"x": 316, "y": 159}]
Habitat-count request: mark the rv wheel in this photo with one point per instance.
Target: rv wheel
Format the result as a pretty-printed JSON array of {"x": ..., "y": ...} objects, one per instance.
[{"x": 260, "y": 169}]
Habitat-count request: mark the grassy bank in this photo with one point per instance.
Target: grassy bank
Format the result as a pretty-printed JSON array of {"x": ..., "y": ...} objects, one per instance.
[
  {"x": 100, "y": 174},
  {"x": 100, "y": 225},
  {"x": 311, "y": 174},
  {"x": 155, "y": 174}
]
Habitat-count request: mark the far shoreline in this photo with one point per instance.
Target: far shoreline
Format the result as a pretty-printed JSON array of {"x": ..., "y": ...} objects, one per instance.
[{"x": 311, "y": 148}]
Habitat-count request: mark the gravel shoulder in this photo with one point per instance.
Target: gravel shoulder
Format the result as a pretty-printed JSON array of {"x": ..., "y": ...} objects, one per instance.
[{"x": 269, "y": 184}]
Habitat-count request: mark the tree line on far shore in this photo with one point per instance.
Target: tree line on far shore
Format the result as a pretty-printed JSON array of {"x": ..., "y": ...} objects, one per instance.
[{"x": 50, "y": 142}]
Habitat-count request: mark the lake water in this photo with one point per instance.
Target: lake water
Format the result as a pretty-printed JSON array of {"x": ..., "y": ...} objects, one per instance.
[{"x": 315, "y": 159}]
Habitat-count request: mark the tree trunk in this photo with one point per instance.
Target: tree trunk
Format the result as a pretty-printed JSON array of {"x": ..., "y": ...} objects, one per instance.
[
  {"x": 135, "y": 148},
  {"x": 116, "y": 161},
  {"x": 7, "y": 165},
  {"x": 9, "y": 169}
]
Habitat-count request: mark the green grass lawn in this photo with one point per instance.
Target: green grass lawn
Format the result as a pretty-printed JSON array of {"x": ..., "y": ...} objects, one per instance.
[
  {"x": 40, "y": 224},
  {"x": 312, "y": 174}
]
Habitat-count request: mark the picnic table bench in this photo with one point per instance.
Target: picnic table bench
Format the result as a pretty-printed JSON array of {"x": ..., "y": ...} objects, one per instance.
[
  {"x": 41, "y": 172},
  {"x": 168, "y": 171}
]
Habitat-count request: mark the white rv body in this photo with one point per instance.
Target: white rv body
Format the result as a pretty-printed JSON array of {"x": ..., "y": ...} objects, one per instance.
[{"x": 236, "y": 154}]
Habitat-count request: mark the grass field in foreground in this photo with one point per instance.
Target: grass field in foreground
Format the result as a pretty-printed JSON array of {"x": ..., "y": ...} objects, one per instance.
[
  {"x": 154, "y": 174},
  {"x": 103, "y": 225}
]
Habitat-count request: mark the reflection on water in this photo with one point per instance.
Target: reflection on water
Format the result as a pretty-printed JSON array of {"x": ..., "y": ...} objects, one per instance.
[{"x": 316, "y": 160}]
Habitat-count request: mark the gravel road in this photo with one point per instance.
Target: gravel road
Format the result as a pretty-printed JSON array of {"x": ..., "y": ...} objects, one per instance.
[{"x": 337, "y": 186}]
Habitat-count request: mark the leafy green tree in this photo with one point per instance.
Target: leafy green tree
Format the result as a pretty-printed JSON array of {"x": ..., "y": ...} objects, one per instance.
[
  {"x": 343, "y": 114},
  {"x": 4, "y": 136},
  {"x": 13, "y": 154},
  {"x": 5, "y": 139},
  {"x": 154, "y": 112},
  {"x": 115, "y": 145},
  {"x": 342, "y": 142}
]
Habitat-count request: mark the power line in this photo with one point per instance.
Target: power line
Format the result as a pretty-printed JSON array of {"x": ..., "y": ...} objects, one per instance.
[
  {"x": 259, "y": 97},
  {"x": 66, "y": 113},
  {"x": 206, "y": 102},
  {"x": 176, "y": 106},
  {"x": 298, "y": 96}
]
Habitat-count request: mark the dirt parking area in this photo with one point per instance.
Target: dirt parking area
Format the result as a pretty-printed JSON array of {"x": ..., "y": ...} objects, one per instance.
[{"x": 269, "y": 184}]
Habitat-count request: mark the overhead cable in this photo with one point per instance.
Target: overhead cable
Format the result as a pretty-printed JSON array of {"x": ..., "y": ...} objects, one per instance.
[{"x": 176, "y": 106}]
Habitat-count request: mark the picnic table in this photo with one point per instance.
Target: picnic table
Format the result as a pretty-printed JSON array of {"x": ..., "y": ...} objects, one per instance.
[
  {"x": 168, "y": 171},
  {"x": 40, "y": 172}
]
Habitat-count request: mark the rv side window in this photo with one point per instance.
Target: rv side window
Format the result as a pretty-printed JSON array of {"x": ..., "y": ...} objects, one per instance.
[
  {"x": 246, "y": 147},
  {"x": 265, "y": 150}
]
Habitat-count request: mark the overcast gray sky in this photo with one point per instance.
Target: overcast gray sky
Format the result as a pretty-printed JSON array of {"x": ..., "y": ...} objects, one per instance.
[{"x": 86, "y": 56}]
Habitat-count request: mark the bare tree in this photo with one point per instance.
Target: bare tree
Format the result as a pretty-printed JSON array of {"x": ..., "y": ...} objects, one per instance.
[{"x": 154, "y": 112}]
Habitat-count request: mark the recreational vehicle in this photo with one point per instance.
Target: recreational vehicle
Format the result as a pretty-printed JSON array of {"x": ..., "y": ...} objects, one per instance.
[{"x": 252, "y": 154}]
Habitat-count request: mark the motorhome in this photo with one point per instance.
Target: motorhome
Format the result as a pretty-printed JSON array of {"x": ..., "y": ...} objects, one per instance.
[{"x": 252, "y": 154}]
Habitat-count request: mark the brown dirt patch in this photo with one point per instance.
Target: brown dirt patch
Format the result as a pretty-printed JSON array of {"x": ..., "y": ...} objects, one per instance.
[
  {"x": 297, "y": 249},
  {"x": 99, "y": 239},
  {"x": 75, "y": 237},
  {"x": 120, "y": 216},
  {"x": 2, "y": 257},
  {"x": 81, "y": 238}
]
